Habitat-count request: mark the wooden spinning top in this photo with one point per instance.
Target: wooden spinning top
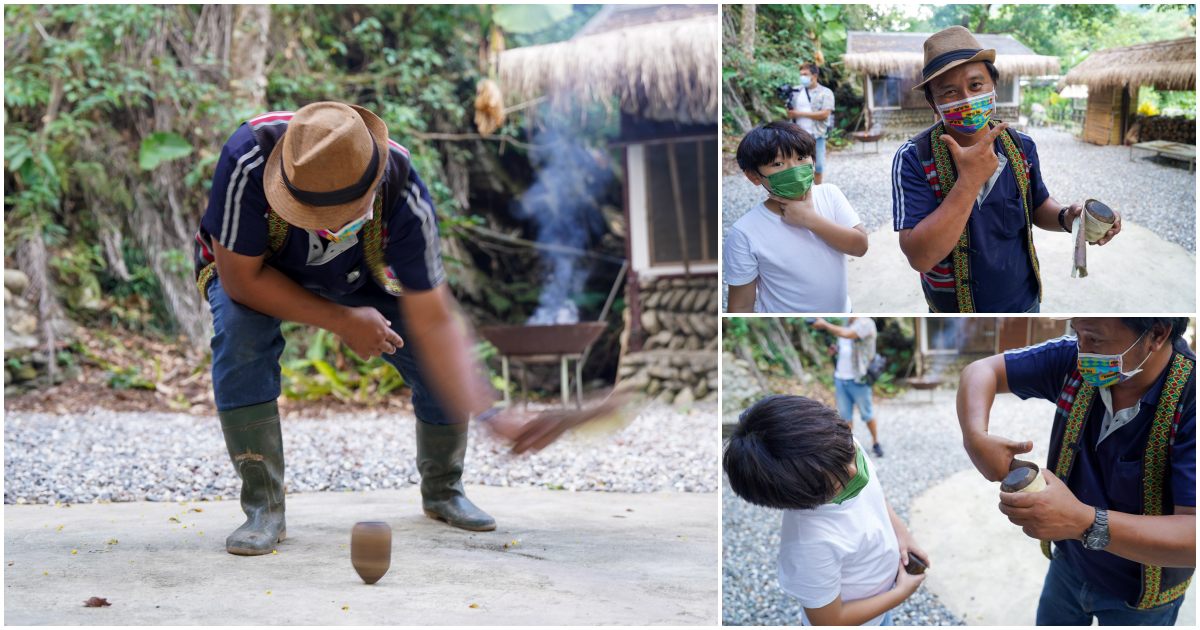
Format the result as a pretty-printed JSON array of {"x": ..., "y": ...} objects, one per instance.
[
  {"x": 371, "y": 550},
  {"x": 1023, "y": 477}
]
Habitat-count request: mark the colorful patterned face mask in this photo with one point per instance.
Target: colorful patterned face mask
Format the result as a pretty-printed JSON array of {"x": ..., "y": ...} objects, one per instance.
[
  {"x": 791, "y": 183},
  {"x": 970, "y": 114},
  {"x": 347, "y": 230},
  {"x": 1105, "y": 370}
]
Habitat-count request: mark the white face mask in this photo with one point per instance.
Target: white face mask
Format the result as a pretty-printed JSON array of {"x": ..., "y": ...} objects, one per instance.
[{"x": 805, "y": 81}]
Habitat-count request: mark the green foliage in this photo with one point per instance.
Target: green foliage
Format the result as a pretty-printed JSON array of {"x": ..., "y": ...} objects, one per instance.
[
  {"x": 1168, "y": 103},
  {"x": 162, "y": 146}
]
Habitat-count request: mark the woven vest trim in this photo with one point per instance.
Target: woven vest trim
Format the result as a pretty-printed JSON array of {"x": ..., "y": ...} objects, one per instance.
[{"x": 1075, "y": 406}]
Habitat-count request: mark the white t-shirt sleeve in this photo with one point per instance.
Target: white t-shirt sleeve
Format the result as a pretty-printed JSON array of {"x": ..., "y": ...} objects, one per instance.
[
  {"x": 812, "y": 573},
  {"x": 843, "y": 213},
  {"x": 741, "y": 266},
  {"x": 864, "y": 327}
]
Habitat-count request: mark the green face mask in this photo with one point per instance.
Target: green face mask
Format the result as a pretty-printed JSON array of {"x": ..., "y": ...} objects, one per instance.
[
  {"x": 857, "y": 482},
  {"x": 792, "y": 183}
]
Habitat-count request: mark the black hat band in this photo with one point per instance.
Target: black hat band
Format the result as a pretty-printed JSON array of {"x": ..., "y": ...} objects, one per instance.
[
  {"x": 340, "y": 196},
  {"x": 946, "y": 57}
]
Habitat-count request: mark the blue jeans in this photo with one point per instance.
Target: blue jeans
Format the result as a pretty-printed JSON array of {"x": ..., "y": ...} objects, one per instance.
[
  {"x": 819, "y": 156},
  {"x": 887, "y": 619},
  {"x": 1069, "y": 600},
  {"x": 849, "y": 394},
  {"x": 247, "y": 346}
]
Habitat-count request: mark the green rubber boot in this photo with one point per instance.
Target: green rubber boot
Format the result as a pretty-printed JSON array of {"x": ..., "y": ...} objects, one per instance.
[
  {"x": 255, "y": 445},
  {"x": 441, "y": 450}
]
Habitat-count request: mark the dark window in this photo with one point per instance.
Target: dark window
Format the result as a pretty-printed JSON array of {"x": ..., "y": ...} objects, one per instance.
[
  {"x": 885, "y": 91},
  {"x": 696, "y": 173}
]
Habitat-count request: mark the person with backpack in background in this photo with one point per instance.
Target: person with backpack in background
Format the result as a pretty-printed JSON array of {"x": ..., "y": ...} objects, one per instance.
[{"x": 852, "y": 374}]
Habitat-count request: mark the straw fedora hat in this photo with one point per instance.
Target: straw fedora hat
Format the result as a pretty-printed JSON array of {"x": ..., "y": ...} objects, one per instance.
[
  {"x": 323, "y": 170},
  {"x": 949, "y": 48}
]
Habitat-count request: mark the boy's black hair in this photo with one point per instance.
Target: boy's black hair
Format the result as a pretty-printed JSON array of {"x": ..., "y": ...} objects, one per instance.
[
  {"x": 991, "y": 70},
  {"x": 789, "y": 452},
  {"x": 1142, "y": 325},
  {"x": 811, "y": 67},
  {"x": 765, "y": 142}
]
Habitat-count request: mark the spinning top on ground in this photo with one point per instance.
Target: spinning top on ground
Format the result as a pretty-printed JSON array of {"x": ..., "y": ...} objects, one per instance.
[
  {"x": 1098, "y": 219},
  {"x": 1023, "y": 477},
  {"x": 371, "y": 550},
  {"x": 914, "y": 566}
]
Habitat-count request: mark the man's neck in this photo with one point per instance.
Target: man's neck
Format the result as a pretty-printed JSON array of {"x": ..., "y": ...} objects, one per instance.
[{"x": 1128, "y": 393}]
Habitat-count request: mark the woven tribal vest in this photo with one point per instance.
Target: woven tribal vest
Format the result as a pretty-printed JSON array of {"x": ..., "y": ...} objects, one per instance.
[
  {"x": 1159, "y": 585},
  {"x": 947, "y": 286},
  {"x": 373, "y": 235}
]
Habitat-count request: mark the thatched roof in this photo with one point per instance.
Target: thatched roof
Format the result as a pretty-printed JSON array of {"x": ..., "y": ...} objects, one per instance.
[
  {"x": 659, "y": 60},
  {"x": 902, "y": 54},
  {"x": 1169, "y": 65}
]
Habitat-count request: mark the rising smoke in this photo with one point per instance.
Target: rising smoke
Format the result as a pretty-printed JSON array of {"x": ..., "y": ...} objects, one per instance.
[{"x": 564, "y": 203}]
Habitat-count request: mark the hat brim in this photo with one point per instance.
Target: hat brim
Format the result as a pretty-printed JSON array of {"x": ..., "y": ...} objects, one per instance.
[
  {"x": 310, "y": 217},
  {"x": 987, "y": 54}
]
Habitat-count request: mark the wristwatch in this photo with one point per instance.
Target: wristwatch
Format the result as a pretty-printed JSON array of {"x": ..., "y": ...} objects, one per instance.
[
  {"x": 1062, "y": 212},
  {"x": 1096, "y": 536}
]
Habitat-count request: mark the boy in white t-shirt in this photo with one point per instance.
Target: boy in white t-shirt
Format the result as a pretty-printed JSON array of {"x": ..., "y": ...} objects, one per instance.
[
  {"x": 788, "y": 253},
  {"x": 843, "y": 550}
]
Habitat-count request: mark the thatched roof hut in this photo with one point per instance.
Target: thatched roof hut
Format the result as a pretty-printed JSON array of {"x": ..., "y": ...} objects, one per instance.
[
  {"x": 1169, "y": 65},
  {"x": 901, "y": 54},
  {"x": 661, "y": 61}
]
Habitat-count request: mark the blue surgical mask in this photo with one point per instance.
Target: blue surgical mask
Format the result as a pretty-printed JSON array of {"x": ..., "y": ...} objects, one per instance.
[
  {"x": 1106, "y": 370},
  {"x": 805, "y": 81}
]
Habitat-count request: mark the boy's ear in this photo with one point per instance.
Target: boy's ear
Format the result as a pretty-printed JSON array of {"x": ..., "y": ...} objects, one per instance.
[{"x": 754, "y": 178}]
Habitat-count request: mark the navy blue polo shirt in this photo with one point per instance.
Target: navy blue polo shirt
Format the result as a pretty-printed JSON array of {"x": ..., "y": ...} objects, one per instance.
[
  {"x": 237, "y": 219},
  {"x": 1004, "y": 279},
  {"x": 1108, "y": 475}
]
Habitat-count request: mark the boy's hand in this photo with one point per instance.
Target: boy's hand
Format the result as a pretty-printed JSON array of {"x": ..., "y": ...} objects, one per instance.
[
  {"x": 905, "y": 583},
  {"x": 798, "y": 212},
  {"x": 368, "y": 332},
  {"x": 908, "y": 545}
]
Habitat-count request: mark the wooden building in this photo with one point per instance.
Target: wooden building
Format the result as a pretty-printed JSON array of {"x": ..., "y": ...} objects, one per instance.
[
  {"x": 660, "y": 65},
  {"x": 1114, "y": 75}
]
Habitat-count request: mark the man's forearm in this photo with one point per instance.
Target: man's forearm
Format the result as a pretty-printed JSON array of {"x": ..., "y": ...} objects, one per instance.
[
  {"x": 1045, "y": 216},
  {"x": 931, "y": 240},
  {"x": 976, "y": 394},
  {"x": 1165, "y": 541},
  {"x": 445, "y": 351},
  {"x": 846, "y": 240},
  {"x": 272, "y": 293}
]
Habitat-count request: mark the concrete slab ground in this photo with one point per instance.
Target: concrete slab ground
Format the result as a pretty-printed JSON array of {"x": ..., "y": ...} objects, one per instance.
[
  {"x": 579, "y": 559},
  {"x": 883, "y": 282},
  {"x": 985, "y": 569}
]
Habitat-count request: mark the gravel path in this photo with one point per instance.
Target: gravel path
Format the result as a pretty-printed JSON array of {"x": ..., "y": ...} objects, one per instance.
[
  {"x": 922, "y": 446},
  {"x": 174, "y": 457},
  {"x": 1160, "y": 196}
]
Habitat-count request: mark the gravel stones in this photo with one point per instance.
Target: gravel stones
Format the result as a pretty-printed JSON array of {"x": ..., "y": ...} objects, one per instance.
[{"x": 109, "y": 456}]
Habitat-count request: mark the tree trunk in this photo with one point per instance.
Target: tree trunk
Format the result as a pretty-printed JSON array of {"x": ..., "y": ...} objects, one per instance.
[
  {"x": 248, "y": 55},
  {"x": 749, "y": 22},
  {"x": 736, "y": 109}
]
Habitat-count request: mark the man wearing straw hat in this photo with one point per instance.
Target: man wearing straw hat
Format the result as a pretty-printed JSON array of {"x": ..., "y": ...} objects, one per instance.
[
  {"x": 318, "y": 217},
  {"x": 967, "y": 192}
]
